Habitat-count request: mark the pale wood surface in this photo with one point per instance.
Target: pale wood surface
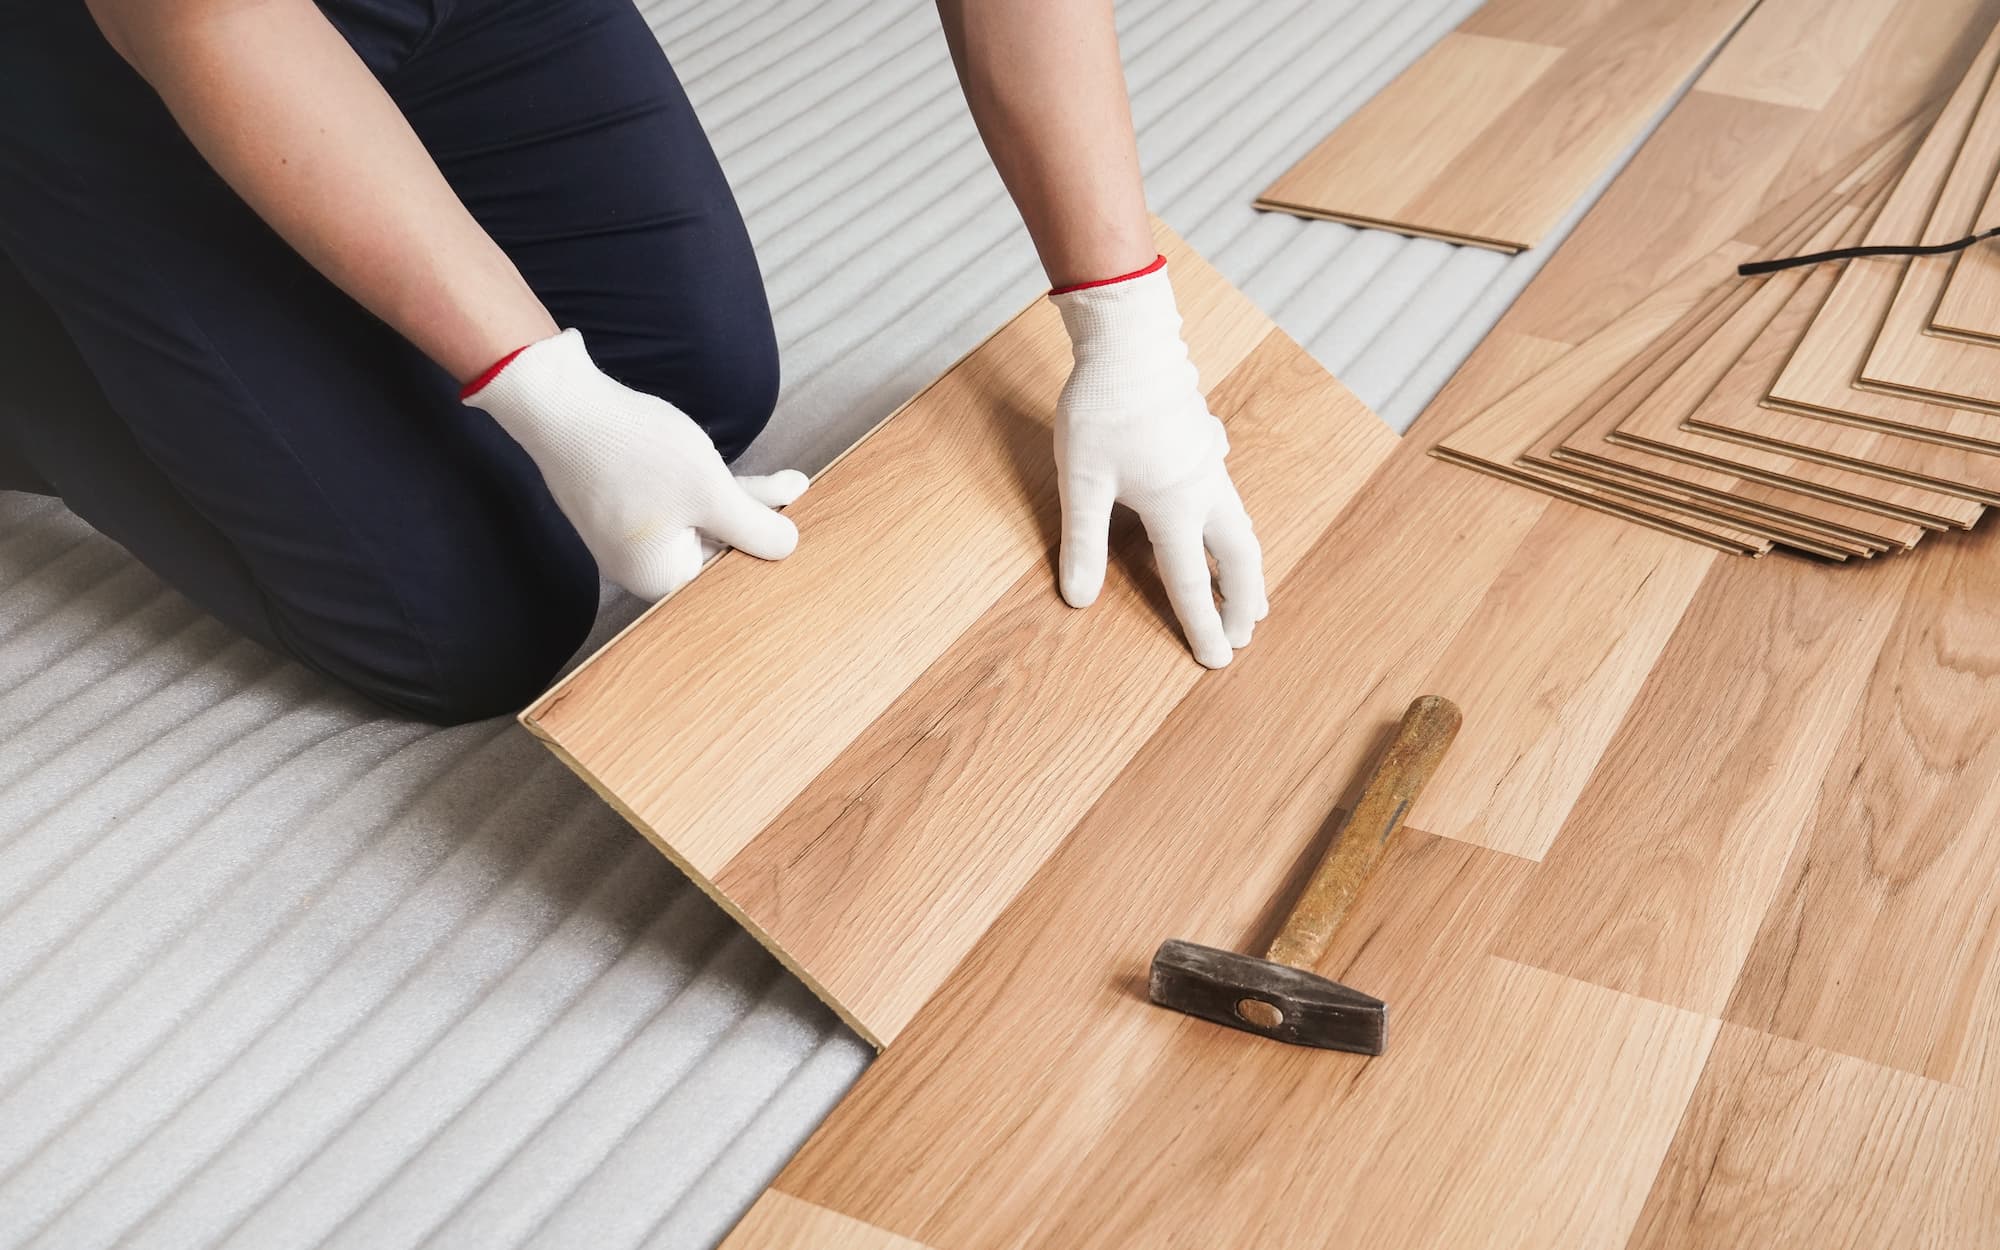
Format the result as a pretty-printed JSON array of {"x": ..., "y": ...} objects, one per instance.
[
  {"x": 1594, "y": 1040},
  {"x": 1500, "y": 127},
  {"x": 886, "y": 827},
  {"x": 1970, "y": 303},
  {"x": 1727, "y": 373},
  {"x": 1688, "y": 368},
  {"x": 1678, "y": 417},
  {"x": 1819, "y": 378},
  {"x": 781, "y": 1222},
  {"x": 1905, "y": 356}
]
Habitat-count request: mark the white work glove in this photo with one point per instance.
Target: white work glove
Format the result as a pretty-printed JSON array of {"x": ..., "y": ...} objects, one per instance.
[
  {"x": 642, "y": 483},
  {"x": 1132, "y": 428}
]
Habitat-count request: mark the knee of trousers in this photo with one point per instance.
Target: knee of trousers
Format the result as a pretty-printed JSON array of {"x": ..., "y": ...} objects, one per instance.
[
  {"x": 474, "y": 652},
  {"x": 727, "y": 381}
]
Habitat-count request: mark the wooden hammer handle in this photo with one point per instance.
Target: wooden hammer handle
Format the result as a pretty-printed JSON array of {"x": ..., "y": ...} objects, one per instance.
[{"x": 1427, "y": 729}]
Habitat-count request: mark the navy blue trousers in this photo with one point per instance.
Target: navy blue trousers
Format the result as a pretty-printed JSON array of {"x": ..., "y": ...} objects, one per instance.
[{"x": 191, "y": 388}]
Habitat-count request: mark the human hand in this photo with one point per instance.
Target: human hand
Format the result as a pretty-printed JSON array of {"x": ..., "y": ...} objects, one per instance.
[
  {"x": 642, "y": 483},
  {"x": 1132, "y": 428}
]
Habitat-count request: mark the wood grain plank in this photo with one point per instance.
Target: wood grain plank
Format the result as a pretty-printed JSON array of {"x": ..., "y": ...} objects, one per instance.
[
  {"x": 1561, "y": 686},
  {"x": 1111, "y": 1077},
  {"x": 779, "y": 1221},
  {"x": 1641, "y": 432},
  {"x": 1786, "y": 1145},
  {"x": 1886, "y": 921},
  {"x": 954, "y": 498},
  {"x": 1904, "y": 356},
  {"x": 1489, "y": 139},
  {"x": 1820, "y": 377},
  {"x": 1969, "y": 306},
  {"x": 903, "y": 849},
  {"x": 1657, "y": 882},
  {"x": 1928, "y": 484},
  {"x": 1686, "y": 366}
]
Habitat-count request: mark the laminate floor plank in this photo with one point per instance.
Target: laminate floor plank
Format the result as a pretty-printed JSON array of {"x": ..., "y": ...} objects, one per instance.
[
  {"x": 888, "y": 827},
  {"x": 1619, "y": 352},
  {"x": 1970, "y": 303},
  {"x": 1933, "y": 485},
  {"x": 907, "y": 844},
  {"x": 1886, "y": 922},
  {"x": 1679, "y": 377},
  {"x": 1494, "y": 133},
  {"x": 1719, "y": 762},
  {"x": 1640, "y": 435},
  {"x": 1819, "y": 379},
  {"x": 1795, "y": 1148},
  {"x": 1905, "y": 357}
]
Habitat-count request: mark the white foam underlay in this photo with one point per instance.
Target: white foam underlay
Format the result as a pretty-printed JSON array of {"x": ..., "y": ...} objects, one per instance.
[{"x": 275, "y": 972}]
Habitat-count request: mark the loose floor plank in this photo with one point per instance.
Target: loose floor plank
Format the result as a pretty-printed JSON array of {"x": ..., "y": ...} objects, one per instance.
[
  {"x": 1819, "y": 378},
  {"x": 1905, "y": 357},
  {"x": 1635, "y": 351},
  {"x": 1495, "y": 132},
  {"x": 884, "y": 829},
  {"x": 1688, "y": 369},
  {"x": 1933, "y": 485},
  {"x": 1970, "y": 304}
]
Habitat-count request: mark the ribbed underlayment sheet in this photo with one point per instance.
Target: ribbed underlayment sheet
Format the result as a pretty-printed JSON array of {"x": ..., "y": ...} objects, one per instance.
[{"x": 275, "y": 972}]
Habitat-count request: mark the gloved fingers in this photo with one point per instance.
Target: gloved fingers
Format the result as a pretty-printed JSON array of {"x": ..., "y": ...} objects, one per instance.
[
  {"x": 738, "y": 519},
  {"x": 775, "y": 490},
  {"x": 1086, "y": 529},
  {"x": 1239, "y": 562},
  {"x": 1183, "y": 565},
  {"x": 682, "y": 559},
  {"x": 656, "y": 568}
]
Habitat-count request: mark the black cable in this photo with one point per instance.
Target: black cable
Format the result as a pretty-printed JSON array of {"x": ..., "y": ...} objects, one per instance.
[{"x": 1757, "y": 268}]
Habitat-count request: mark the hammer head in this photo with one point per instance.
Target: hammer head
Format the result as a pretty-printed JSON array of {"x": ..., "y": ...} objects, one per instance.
[{"x": 1274, "y": 1000}]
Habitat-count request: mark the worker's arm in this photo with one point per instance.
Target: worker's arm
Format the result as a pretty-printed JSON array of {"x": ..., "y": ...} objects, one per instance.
[
  {"x": 1047, "y": 90},
  {"x": 275, "y": 99}
]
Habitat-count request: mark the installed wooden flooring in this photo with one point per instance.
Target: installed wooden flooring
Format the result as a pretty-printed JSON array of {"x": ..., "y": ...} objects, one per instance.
[
  {"x": 1692, "y": 942},
  {"x": 1495, "y": 132}
]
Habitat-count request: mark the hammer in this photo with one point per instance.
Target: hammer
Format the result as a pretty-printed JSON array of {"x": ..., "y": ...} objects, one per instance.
[{"x": 1279, "y": 995}]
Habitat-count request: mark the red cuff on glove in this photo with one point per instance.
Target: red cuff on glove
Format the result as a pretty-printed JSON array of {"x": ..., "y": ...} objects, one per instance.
[
  {"x": 1158, "y": 263},
  {"x": 492, "y": 371}
]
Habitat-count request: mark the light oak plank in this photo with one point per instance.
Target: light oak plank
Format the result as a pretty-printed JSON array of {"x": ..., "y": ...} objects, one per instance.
[
  {"x": 1657, "y": 882},
  {"x": 1686, "y": 365},
  {"x": 779, "y": 1221},
  {"x": 1929, "y": 484},
  {"x": 1782, "y": 64},
  {"x": 1125, "y": 1084},
  {"x": 1786, "y": 1145},
  {"x": 1561, "y": 685},
  {"x": 1887, "y": 920},
  {"x": 1970, "y": 303},
  {"x": 954, "y": 499},
  {"x": 1905, "y": 357},
  {"x": 903, "y": 849},
  {"x": 1638, "y": 434},
  {"x": 1489, "y": 138},
  {"x": 1819, "y": 378}
]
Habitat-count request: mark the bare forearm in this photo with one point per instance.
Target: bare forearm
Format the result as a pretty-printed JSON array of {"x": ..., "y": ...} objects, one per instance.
[
  {"x": 286, "y": 112},
  {"x": 1046, "y": 88}
]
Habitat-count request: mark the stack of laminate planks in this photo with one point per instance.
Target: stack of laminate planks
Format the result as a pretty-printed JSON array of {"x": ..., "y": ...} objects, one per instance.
[{"x": 1843, "y": 409}]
